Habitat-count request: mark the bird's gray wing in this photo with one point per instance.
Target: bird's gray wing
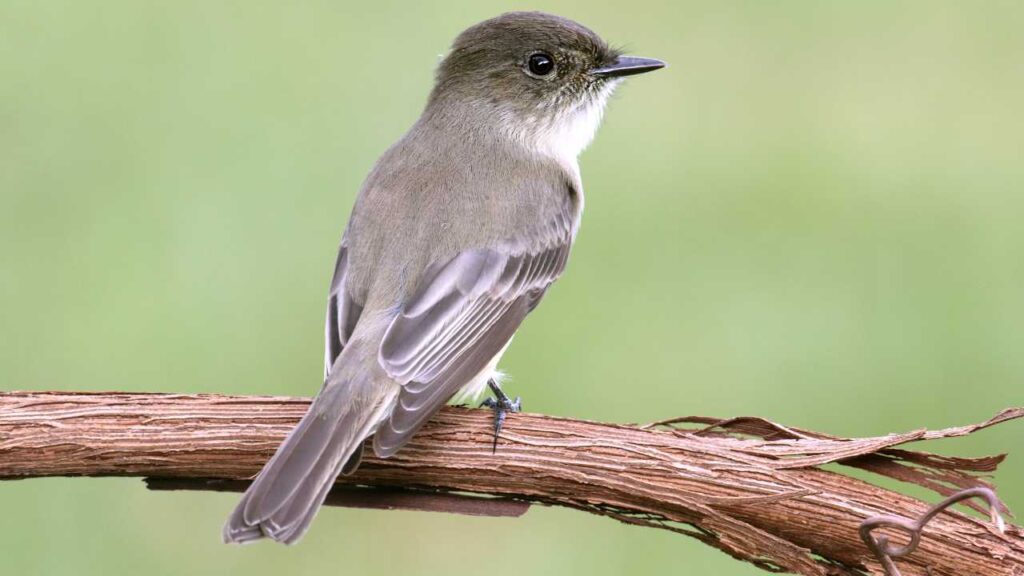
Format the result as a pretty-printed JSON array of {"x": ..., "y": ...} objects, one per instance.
[
  {"x": 463, "y": 314},
  {"x": 342, "y": 314},
  {"x": 342, "y": 311}
]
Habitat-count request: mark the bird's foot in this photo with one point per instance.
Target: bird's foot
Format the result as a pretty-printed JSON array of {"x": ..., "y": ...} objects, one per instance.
[{"x": 502, "y": 405}]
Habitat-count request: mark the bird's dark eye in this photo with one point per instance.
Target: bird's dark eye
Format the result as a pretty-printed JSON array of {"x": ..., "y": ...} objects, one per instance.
[{"x": 541, "y": 64}]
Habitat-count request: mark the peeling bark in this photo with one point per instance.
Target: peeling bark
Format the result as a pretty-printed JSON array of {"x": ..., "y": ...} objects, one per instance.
[{"x": 750, "y": 487}]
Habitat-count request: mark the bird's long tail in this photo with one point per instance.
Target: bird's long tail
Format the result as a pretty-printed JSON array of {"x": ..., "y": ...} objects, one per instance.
[{"x": 285, "y": 496}]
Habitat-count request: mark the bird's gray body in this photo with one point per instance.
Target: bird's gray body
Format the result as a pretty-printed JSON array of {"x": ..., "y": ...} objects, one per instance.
[
  {"x": 411, "y": 206},
  {"x": 457, "y": 232},
  {"x": 451, "y": 288}
]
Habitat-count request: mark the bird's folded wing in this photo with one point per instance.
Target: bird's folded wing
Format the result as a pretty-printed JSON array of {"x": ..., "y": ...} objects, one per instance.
[
  {"x": 342, "y": 311},
  {"x": 463, "y": 314}
]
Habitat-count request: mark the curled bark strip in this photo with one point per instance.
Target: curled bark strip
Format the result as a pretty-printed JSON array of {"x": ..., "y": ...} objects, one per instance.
[
  {"x": 750, "y": 487},
  {"x": 886, "y": 551}
]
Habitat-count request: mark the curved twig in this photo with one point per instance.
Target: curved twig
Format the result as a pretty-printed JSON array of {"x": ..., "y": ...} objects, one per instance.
[{"x": 886, "y": 551}]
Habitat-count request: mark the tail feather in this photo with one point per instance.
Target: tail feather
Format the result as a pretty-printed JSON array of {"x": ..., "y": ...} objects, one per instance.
[
  {"x": 302, "y": 508},
  {"x": 284, "y": 498},
  {"x": 285, "y": 524},
  {"x": 315, "y": 440}
]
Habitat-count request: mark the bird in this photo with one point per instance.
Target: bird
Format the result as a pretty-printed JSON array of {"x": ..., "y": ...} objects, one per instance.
[{"x": 455, "y": 236}]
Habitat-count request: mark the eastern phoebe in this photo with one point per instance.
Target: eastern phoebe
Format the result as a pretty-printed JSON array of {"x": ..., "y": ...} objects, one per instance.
[{"x": 456, "y": 234}]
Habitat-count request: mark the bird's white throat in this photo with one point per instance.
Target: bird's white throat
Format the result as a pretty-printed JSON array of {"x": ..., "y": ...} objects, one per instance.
[{"x": 565, "y": 135}]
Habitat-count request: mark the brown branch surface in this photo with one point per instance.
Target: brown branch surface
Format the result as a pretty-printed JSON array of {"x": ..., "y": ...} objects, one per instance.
[{"x": 750, "y": 487}]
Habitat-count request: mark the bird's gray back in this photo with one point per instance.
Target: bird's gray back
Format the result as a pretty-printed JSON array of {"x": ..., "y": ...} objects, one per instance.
[{"x": 438, "y": 192}]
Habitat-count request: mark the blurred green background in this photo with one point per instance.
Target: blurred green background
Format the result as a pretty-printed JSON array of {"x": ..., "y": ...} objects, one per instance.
[{"x": 813, "y": 215}]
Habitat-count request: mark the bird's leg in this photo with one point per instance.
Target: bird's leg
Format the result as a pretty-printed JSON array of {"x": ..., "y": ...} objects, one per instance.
[{"x": 502, "y": 405}]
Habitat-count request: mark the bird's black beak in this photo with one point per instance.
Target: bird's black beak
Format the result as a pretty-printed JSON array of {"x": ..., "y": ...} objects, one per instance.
[{"x": 628, "y": 66}]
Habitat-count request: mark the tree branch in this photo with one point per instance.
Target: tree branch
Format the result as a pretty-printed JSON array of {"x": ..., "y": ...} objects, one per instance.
[{"x": 750, "y": 487}]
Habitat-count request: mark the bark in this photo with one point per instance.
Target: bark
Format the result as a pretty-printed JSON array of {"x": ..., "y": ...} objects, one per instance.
[{"x": 750, "y": 487}]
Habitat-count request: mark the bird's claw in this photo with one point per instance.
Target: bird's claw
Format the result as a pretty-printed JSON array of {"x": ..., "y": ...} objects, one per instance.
[{"x": 502, "y": 405}]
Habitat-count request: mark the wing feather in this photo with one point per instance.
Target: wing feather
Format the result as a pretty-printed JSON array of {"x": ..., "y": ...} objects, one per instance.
[
  {"x": 342, "y": 311},
  {"x": 461, "y": 317}
]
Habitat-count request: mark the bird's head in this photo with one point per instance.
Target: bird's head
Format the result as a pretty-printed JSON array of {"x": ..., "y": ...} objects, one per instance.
[{"x": 541, "y": 79}]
